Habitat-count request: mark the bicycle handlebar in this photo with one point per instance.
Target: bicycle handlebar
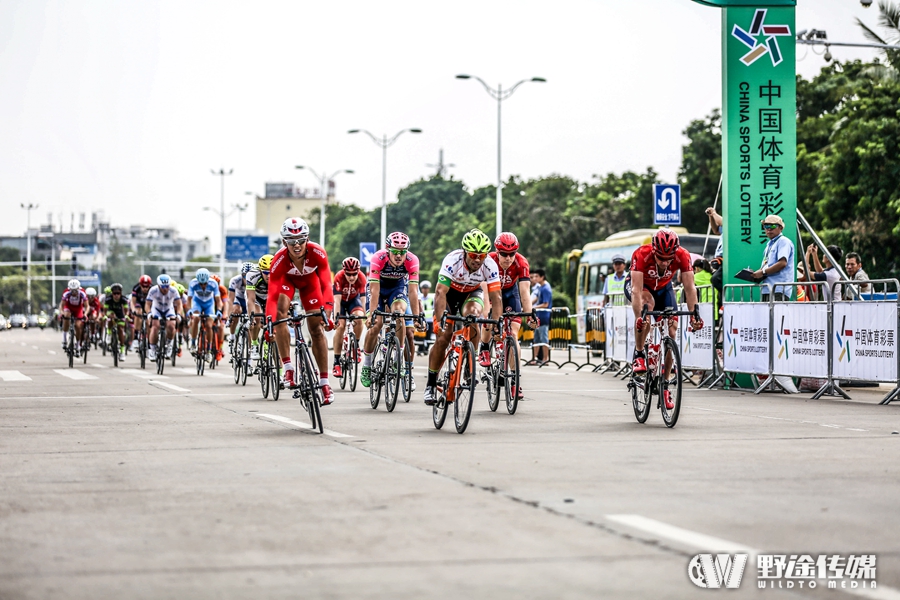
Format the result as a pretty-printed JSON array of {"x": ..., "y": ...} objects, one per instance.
[
  {"x": 469, "y": 320},
  {"x": 396, "y": 315},
  {"x": 351, "y": 317},
  {"x": 670, "y": 312}
]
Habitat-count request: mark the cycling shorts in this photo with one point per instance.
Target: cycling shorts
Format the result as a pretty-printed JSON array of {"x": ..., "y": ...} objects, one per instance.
[
  {"x": 512, "y": 302},
  {"x": 77, "y": 312},
  {"x": 242, "y": 302},
  {"x": 348, "y": 306},
  {"x": 386, "y": 298},
  {"x": 155, "y": 313},
  {"x": 663, "y": 298},
  {"x": 456, "y": 300},
  {"x": 199, "y": 307},
  {"x": 310, "y": 291}
]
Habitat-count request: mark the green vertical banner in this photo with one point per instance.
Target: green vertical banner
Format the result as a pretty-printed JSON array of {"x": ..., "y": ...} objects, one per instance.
[{"x": 759, "y": 130}]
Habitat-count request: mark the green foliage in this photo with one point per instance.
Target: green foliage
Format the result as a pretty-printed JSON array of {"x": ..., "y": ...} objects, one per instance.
[{"x": 701, "y": 171}]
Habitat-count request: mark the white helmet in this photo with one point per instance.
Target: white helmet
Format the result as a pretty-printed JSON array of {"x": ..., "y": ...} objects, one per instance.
[
  {"x": 74, "y": 284},
  {"x": 294, "y": 229},
  {"x": 91, "y": 292},
  {"x": 425, "y": 284}
]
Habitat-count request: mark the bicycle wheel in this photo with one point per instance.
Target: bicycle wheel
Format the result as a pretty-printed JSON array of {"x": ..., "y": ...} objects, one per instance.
[
  {"x": 393, "y": 370},
  {"x": 511, "y": 374},
  {"x": 245, "y": 355},
  {"x": 263, "y": 373},
  {"x": 308, "y": 380},
  {"x": 670, "y": 382},
  {"x": 103, "y": 341},
  {"x": 465, "y": 388},
  {"x": 492, "y": 375},
  {"x": 70, "y": 346},
  {"x": 344, "y": 363},
  {"x": 439, "y": 408},
  {"x": 113, "y": 344},
  {"x": 274, "y": 368},
  {"x": 161, "y": 348},
  {"x": 142, "y": 350},
  {"x": 376, "y": 377},
  {"x": 85, "y": 346},
  {"x": 352, "y": 366},
  {"x": 237, "y": 357},
  {"x": 200, "y": 357}
]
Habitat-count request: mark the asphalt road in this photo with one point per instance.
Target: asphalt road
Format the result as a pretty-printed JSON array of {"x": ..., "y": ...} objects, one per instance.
[{"x": 122, "y": 484}]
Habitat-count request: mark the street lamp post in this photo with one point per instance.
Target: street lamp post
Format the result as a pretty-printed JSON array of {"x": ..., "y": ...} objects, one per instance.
[
  {"x": 384, "y": 143},
  {"x": 222, "y": 173},
  {"x": 500, "y": 95},
  {"x": 28, "y": 210},
  {"x": 324, "y": 182}
]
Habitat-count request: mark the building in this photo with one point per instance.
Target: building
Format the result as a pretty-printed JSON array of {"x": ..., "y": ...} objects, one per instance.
[{"x": 284, "y": 200}]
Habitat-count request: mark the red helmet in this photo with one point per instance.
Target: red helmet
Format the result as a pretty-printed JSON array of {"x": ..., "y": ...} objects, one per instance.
[
  {"x": 350, "y": 265},
  {"x": 398, "y": 239},
  {"x": 507, "y": 242},
  {"x": 665, "y": 243},
  {"x": 145, "y": 280}
]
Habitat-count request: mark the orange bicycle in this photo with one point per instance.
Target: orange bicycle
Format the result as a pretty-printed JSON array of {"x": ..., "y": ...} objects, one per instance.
[{"x": 457, "y": 380}]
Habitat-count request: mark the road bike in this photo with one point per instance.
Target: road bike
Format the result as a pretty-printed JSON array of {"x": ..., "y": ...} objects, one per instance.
[
  {"x": 504, "y": 372},
  {"x": 663, "y": 374},
  {"x": 240, "y": 350},
  {"x": 204, "y": 347},
  {"x": 141, "y": 336},
  {"x": 387, "y": 366},
  {"x": 306, "y": 383},
  {"x": 349, "y": 358},
  {"x": 70, "y": 342},
  {"x": 457, "y": 379},
  {"x": 162, "y": 347},
  {"x": 268, "y": 368}
]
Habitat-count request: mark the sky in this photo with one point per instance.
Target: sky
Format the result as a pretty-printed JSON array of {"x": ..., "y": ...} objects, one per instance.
[{"x": 125, "y": 107}]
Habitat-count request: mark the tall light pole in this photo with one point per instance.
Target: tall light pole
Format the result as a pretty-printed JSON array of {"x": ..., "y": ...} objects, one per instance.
[
  {"x": 384, "y": 143},
  {"x": 28, "y": 210},
  {"x": 324, "y": 182},
  {"x": 500, "y": 95},
  {"x": 222, "y": 173}
]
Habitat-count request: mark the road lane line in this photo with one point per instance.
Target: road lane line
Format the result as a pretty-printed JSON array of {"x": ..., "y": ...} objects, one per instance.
[
  {"x": 98, "y": 365},
  {"x": 300, "y": 425},
  {"x": 35, "y": 347},
  {"x": 95, "y": 397},
  {"x": 830, "y": 426},
  {"x": 143, "y": 374},
  {"x": 707, "y": 543},
  {"x": 51, "y": 351},
  {"x": 74, "y": 374},
  {"x": 170, "y": 386},
  {"x": 13, "y": 376}
]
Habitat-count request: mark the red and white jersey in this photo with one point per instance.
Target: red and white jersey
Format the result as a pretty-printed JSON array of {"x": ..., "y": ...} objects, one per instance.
[
  {"x": 315, "y": 267},
  {"x": 346, "y": 291},
  {"x": 643, "y": 260},
  {"x": 517, "y": 271},
  {"x": 74, "y": 298},
  {"x": 95, "y": 304},
  {"x": 457, "y": 276}
]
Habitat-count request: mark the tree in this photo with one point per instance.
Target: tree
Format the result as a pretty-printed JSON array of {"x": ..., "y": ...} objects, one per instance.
[
  {"x": 889, "y": 18},
  {"x": 701, "y": 171}
]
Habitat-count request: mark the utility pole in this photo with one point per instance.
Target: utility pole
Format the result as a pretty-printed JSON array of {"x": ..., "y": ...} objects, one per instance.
[
  {"x": 28, "y": 210},
  {"x": 222, "y": 173},
  {"x": 440, "y": 167}
]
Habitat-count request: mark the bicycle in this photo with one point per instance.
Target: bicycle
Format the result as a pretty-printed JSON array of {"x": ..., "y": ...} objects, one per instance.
[
  {"x": 349, "y": 359},
  {"x": 505, "y": 366},
  {"x": 240, "y": 350},
  {"x": 457, "y": 379},
  {"x": 203, "y": 347},
  {"x": 112, "y": 337},
  {"x": 306, "y": 385},
  {"x": 387, "y": 366},
  {"x": 269, "y": 364},
  {"x": 161, "y": 347},
  {"x": 70, "y": 343},
  {"x": 663, "y": 368},
  {"x": 141, "y": 335}
]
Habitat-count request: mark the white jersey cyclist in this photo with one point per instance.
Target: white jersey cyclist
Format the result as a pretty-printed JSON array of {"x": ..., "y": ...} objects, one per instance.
[
  {"x": 238, "y": 286},
  {"x": 163, "y": 303},
  {"x": 259, "y": 285},
  {"x": 456, "y": 275}
]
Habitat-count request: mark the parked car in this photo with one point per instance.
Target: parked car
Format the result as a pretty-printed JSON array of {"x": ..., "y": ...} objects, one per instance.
[
  {"x": 18, "y": 321},
  {"x": 32, "y": 320},
  {"x": 4, "y": 323}
]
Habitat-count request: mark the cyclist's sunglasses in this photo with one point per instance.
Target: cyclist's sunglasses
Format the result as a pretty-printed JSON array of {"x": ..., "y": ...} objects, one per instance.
[
  {"x": 477, "y": 255},
  {"x": 397, "y": 251},
  {"x": 296, "y": 241},
  {"x": 145, "y": 286},
  {"x": 507, "y": 254},
  {"x": 264, "y": 272},
  {"x": 351, "y": 273},
  {"x": 117, "y": 292},
  {"x": 770, "y": 226}
]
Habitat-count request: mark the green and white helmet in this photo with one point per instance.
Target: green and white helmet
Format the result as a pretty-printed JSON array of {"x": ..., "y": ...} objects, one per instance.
[{"x": 476, "y": 241}]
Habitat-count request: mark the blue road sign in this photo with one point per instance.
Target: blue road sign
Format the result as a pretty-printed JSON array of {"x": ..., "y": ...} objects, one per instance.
[
  {"x": 366, "y": 250},
  {"x": 246, "y": 247},
  {"x": 88, "y": 278},
  {"x": 666, "y": 204}
]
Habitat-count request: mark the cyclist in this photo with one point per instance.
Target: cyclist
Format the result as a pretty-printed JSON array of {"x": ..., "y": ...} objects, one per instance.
[
  {"x": 94, "y": 310},
  {"x": 181, "y": 320},
  {"x": 136, "y": 305},
  {"x": 203, "y": 298},
  {"x": 237, "y": 295},
  {"x": 515, "y": 284},
  {"x": 72, "y": 306},
  {"x": 218, "y": 325},
  {"x": 653, "y": 266},
  {"x": 350, "y": 285},
  {"x": 459, "y": 291},
  {"x": 427, "y": 302},
  {"x": 116, "y": 308},
  {"x": 257, "y": 294},
  {"x": 162, "y": 302},
  {"x": 302, "y": 266},
  {"x": 393, "y": 273}
]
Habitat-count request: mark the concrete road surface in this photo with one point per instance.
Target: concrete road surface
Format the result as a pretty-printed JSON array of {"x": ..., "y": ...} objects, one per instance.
[{"x": 117, "y": 483}]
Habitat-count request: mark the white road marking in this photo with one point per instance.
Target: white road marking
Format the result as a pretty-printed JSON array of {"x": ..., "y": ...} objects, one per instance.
[
  {"x": 74, "y": 374},
  {"x": 706, "y": 543},
  {"x": 13, "y": 376},
  {"x": 144, "y": 374},
  {"x": 51, "y": 351},
  {"x": 300, "y": 425},
  {"x": 169, "y": 386},
  {"x": 98, "y": 365},
  {"x": 779, "y": 419},
  {"x": 23, "y": 344},
  {"x": 95, "y": 397},
  {"x": 35, "y": 347},
  {"x": 206, "y": 373}
]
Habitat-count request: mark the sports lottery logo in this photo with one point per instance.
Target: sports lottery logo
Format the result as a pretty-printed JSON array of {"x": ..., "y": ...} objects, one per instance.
[
  {"x": 759, "y": 48},
  {"x": 732, "y": 338},
  {"x": 783, "y": 342},
  {"x": 844, "y": 341}
]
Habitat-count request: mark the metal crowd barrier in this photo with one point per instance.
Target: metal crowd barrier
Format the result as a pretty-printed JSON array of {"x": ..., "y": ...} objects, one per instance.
[
  {"x": 836, "y": 339},
  {"x": 619, "y": 323},
  {"x": 560, "y": 333},
  {"x": 698, "y": 348}
]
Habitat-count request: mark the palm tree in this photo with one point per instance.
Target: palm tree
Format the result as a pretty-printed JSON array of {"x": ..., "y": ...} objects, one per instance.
[{"x": 888, "y": 18}]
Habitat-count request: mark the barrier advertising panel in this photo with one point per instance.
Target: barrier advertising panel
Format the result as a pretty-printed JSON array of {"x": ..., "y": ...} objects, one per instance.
[
  {"x": 746, "y": 343},
  {"x": 629, "y": 333},
  {"x": 617, "y": 332},
  {"x": 800, "y": 339},
  {"x": 864, "y": 345},
  {"x": 697, "y": 347}
]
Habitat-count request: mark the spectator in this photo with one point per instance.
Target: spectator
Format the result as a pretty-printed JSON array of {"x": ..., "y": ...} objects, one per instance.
[
  {"x": 542, "y": 307},
  {"x": 703, "y": 277},
  {"x": 828, "y": 274},
  {"x": 715, "y": 223},
  {"x": 615, "y": 284},
  {"x": 853, "y": 266},
  {"x": 778, "y": 261}
]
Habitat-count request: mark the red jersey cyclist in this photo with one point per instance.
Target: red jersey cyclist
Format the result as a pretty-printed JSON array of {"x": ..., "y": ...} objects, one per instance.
[
  {"x": 515, "y": 290},
  {"x": 653, "y": 266},
  {"x": 73, "y": 304},
  {"x": 301, "y": 266},
  {"x": 350, "y": 285}
]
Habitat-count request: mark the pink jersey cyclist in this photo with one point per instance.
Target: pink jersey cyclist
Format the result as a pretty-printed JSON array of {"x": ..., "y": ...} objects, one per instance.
[
  {"x": 75, "y": 302},
  {"x": 393, "y": 280}
]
